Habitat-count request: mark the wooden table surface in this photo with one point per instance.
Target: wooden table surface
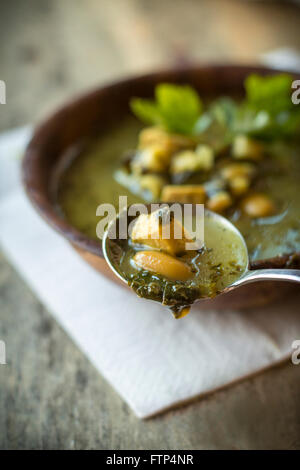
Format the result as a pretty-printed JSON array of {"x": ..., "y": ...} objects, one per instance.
[{"x": 50, "y": 395}]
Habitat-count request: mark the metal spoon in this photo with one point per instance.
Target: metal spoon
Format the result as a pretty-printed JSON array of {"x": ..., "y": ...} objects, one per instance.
[{"x": 248, "y": 276}]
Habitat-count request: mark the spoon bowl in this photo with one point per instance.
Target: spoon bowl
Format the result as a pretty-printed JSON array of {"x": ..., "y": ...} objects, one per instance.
[{"x": 112, "y": 254}]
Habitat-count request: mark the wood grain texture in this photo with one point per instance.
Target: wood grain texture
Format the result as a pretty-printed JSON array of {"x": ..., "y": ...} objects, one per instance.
[{"x": 50, "y": 395}]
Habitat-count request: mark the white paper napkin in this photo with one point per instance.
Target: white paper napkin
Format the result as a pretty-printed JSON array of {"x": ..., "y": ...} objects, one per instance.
[{"x": 152, "y": 360}]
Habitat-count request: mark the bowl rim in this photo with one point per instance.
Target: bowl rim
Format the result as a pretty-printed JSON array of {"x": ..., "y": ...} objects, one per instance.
[{"x": 42, "y": 202}]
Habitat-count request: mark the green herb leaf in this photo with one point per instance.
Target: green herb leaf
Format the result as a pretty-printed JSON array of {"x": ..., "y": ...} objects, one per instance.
[
  {"x": 215, "y": 125},
  {"x": 146, "y": 110},
  {"x": 224, "y": 110},
  {"x": 268, "y": 111},
  {"x": 270, "y": 93},
  {"x": 176, "y": 108},
  {"x": 180, "y": 107}
]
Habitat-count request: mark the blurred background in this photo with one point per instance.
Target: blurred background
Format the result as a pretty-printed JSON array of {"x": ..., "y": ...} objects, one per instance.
[{"x": 51, "y": 49}]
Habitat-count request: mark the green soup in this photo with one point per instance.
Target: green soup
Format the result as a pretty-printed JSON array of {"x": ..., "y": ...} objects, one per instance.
[{"x": 88, "y": 181}]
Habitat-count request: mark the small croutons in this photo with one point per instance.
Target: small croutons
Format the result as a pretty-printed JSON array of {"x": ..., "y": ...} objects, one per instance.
[
  {"x": 163, "y": 264},
  {"x": 246, "y": 148},
  {"x": 191, "y": 161},
  {"x": 153, "y": 158},
  {"x": 258, "y": 205},
  {"x": 205, "y": 157},
  {"x": 189, "y": 193},
  {"x": 158, "y": 230},
  {"x": 220, "y": 201},
  {"x": 239, "y": 185},
  {"x": 183, "y": 161},
  {"x": 153, "y": 184},
  {"x": 234, "y": 170},
  {"x": 170, "y": 142},
  {"x": 238, "y": 176}
]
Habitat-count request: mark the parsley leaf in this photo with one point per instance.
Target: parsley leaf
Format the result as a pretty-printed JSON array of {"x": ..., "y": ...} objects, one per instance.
[
  {"x": 268, "y": 111},
  {"x": 146, "y": 110},
  {"x": 176, "y": 108},
  {"x": 270, "y": 93}
]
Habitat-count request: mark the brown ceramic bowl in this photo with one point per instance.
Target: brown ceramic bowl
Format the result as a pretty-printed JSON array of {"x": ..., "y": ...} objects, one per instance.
[{"x": 95, "y": 112}]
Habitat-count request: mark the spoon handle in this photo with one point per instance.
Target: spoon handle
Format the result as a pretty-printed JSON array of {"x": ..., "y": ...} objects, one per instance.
[{"x": 289, "y": 275}]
